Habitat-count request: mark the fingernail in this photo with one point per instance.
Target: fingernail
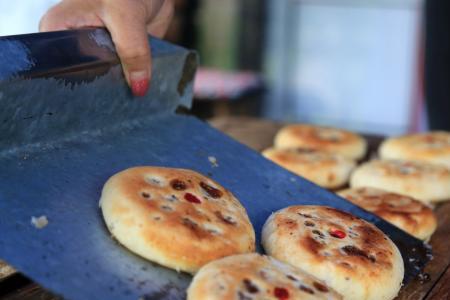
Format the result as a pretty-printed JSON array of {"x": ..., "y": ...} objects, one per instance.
[{"x": 139, "y": 83}]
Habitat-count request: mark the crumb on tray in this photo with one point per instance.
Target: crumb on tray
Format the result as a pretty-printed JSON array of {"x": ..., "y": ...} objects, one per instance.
[
  {"x": 39, "y": 222},
  {"x": 213, "y": 161}
]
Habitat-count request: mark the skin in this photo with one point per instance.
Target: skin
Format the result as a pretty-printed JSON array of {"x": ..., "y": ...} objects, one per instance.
[{"x": 128, "y": 21}]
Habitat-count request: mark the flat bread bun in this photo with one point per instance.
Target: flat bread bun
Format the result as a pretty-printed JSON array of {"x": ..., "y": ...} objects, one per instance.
[
  {"x": 254, "y": 276},
  {"x": 433, "y": 147},
  {"x": 175, "y": 217},
  {"x": 424, "y": 181},
  {"x": 326, "y": 169},
  {"x": 333, "y": 140},
  {"x": 405, "y": 212},
  {"x": 349, "y": 254}
]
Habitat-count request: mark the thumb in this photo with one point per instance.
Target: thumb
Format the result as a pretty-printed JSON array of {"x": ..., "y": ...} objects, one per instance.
[{"x": 129, "y": 35}]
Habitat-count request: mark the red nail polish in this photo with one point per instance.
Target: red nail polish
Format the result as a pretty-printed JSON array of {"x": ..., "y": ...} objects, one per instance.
[{"x": 139, "y": 87}]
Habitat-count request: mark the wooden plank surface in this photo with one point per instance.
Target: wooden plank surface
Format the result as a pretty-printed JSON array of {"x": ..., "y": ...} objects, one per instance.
[
  {"x": 258, "y": 134},
  {"x": 440, "y": 243},
  {"x": 19, "y": 287},
  {"x": 30, "y": 292},
  {"x": 441, "y": 291}
]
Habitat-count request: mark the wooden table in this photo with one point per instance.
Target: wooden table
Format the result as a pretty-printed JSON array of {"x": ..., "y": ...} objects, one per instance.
[{"x": 258, "y": 134}]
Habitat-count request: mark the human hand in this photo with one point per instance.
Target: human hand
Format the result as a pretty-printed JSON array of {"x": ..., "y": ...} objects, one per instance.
[{"x": 128, "y": 21}]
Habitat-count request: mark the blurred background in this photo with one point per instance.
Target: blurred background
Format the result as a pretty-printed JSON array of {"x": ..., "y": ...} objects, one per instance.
[{"x": 373, "y": 66}]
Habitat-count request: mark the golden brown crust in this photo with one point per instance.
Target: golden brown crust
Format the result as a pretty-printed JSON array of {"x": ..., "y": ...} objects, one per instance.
[
  {"x": 5, "y": 270},
  {"x": 321, "y": 138},
  {"x": 318, "y": 239},
  {"x": 433, "y": 147},
  {"x": 404, "y": 212},
  {"x": 178, "y": 218},
  {"x": 424, "y": 181},
  {"x": 323, "y": 168},
  {"x": 253, "y": 276},
  {"x": 410, "y": 169},
  {"x": 349, "y": 254}
]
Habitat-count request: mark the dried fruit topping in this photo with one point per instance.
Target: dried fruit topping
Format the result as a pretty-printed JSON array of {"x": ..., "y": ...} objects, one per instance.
[
  {"x": 319, "y": 233},
  {"x": 305, "y": 215},
  {"x": 306, "y": 289},
  {"x": 309, "y": 224},
  {"x": 291, "y": 278},
  {"x": 226, "y": 219},
  {"x": 339, "y": 234},
  {"x": 354, "y": 251},
  {"x": 250, "y": 287},
  {"x": 212, "y": 191},
  {"x": 189, "y": 223},
  {"x": 320, "y": 287},
  {"x": 191, "y": 198},
  {"x": 281, "y": 293},
  {"x": 178, "y": 185}
]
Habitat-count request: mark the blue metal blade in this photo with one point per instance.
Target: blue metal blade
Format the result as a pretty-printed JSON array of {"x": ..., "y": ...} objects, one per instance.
[{"x": 56, "y": 164}]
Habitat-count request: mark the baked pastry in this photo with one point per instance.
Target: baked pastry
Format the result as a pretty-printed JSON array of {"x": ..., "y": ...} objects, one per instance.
[
  {"x": 254, "y": 276},
  {"x": 433, "y": 147},
  {"x": 323, "y": 168},
  {"x": 333, "y": 140},
  {"x": 175, "y": 217},
  {"x": 405, "y": 212},
  {"x": 349, "y": 254},
  {"x": 424, "y": 181}
]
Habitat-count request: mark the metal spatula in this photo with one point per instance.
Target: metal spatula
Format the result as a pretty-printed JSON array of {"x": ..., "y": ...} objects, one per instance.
[{"x": 68, "y": 122}]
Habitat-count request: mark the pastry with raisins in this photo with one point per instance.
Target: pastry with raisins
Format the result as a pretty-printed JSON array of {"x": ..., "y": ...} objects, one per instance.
[
  {"x": 256, "y": 277},
  {"x": 424, "y": 181},
  {"x": 175, "y": 217},
  {"x": 322, "y": 138},
  {"x": 432, "y": 147},
  {"x": 403, "y": 211},
  {"x": 328, "y": 170},
  {"x": 347, "y": 253}
]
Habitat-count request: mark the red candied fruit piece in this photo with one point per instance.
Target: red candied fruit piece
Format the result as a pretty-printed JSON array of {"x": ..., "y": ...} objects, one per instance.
[
  {"x": 339, "y": 234},
  {"x": 281, "y": 293},
  {"x": 191, "y": 198}
]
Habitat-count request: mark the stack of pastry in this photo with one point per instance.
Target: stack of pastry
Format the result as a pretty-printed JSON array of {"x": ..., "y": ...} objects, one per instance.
[
  {"x": 400, "y": 187},
  {"x": 323, "y": 155}
]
